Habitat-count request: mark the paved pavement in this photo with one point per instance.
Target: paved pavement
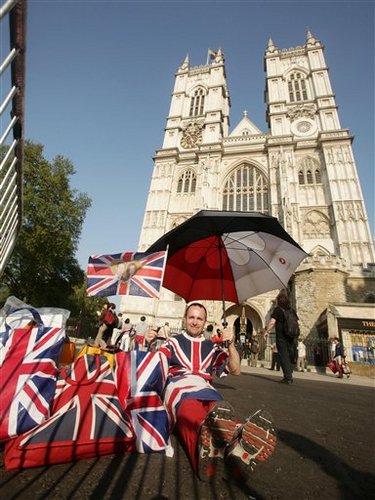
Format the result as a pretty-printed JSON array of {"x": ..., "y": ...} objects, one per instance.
[
  {"x": 324, "y": 375},
  {"x": 325, "y": 450}
]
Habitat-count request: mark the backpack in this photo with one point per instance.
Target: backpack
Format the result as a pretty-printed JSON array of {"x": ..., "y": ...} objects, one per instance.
[
  {"x": 110, "y": 319},
  {"x": 254, "y": 346},
  {"x": 291, "y": 326}
]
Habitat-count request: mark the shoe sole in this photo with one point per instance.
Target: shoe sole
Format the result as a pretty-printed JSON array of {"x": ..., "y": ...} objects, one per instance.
[
  {"x": 216, "y": 432},
  {"x": 255, "y": 443},
  {"x": 258, "y": 436}
]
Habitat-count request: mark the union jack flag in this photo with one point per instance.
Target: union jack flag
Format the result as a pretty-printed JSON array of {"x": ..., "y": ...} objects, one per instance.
[
  {"x": 87, "y": 420},
  {"x": 28, "y": 374},
  {"x": 126, "y": 273},
  {"x": 140, "y": 379}
]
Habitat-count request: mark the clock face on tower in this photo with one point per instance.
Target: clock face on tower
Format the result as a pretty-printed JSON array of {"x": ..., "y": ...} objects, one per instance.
[{"x": 191, "y": 136}]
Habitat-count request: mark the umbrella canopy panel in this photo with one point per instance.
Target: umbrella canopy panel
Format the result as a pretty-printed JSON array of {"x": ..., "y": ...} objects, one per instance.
[{"x": 228, "y": 256}]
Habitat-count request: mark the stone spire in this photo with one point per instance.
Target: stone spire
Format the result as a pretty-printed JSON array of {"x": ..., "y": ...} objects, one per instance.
[
  {"x": 310, "y": 39},
  {"x": 185, "y": 64},
  {"x": 219, "y": 56},
  {"x": 271, "y": 47}
]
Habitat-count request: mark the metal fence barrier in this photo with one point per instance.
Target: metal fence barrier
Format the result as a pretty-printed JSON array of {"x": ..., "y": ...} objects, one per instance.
[{"x": 12, "y": 84}]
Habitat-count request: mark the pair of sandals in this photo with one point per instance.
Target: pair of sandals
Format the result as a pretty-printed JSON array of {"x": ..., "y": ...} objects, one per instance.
[{"x": 241, "y": 446}]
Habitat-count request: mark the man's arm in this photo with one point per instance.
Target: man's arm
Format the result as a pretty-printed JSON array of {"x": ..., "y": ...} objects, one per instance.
[
  {"x": 269, "y": 327},
  {"x": 234, "y": 362}
]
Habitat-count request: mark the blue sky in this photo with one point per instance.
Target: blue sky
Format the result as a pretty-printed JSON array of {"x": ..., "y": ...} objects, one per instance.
[{"x": 100, "y": 76}]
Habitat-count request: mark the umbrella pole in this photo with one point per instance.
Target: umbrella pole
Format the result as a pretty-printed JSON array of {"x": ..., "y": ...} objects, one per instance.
[
  {"x": 225, "y": 344},
  {"x": 222, "y": 279}
]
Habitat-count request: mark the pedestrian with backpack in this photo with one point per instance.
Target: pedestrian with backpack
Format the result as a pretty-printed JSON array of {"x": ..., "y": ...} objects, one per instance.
[
  {"x": 285, "y": 320},
  {"x": 107, "y": 321}
]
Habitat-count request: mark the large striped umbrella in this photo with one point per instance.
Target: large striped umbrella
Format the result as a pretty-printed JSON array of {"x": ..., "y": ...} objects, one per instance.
[{"x": 228, "y": 256}]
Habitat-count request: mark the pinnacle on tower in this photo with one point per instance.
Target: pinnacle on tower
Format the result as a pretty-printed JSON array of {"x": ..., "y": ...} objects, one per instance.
[
  {"x": 271, "y": 47},
  {"x": 219, "y": 55},
  {"x": 310, "y": 39},
  {"x": 185, "y": 64}
]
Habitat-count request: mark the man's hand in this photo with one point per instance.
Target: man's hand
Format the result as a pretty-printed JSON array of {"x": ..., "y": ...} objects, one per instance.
[
  {"x": 227, "y": 335},
  {"x": 234, "y": 363}
]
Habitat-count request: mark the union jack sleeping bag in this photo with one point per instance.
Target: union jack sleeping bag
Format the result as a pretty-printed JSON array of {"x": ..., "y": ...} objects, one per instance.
[{"x": 86, "y": 421}]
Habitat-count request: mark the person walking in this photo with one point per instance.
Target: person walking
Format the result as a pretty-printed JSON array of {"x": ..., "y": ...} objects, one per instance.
[
  {"x": 275, "y": 359},
  {"x": 254, "y": 349},
  {"x": 140, "y": 330},
  {"x": 208, "y": 332},
  {"x": 164, "y": 332},
  {"x": 285, "y": 343},
  {"x": 107, "y": 321},
  {"x": 102, "y": 326},
  {"x": 301, "y": 360},
  {"x": 123, "y": 342},
  {"x": 339, "y": 357}
]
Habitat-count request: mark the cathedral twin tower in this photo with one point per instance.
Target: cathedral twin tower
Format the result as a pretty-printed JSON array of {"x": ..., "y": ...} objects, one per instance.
[{"x": 301, "y": 171}]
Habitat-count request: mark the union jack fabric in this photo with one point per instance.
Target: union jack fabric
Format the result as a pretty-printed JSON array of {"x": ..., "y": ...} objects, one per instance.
[
  {"x": 87, "y": 420},
  {"x": 127, "y": 273},
  {"x": 28, "y": 371},
  {"x": 192, "y": 362},
  {"x": 140, "y": 379}
]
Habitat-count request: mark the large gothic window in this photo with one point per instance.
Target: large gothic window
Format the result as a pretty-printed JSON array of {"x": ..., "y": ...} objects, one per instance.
[
  {"x": 187, "y": 182},
  {"x": 297, "y": 87},
  {"x": 197, "y": 103},
  {"x": 309, "y": 172},
  {"x": 246, "y": 190}
]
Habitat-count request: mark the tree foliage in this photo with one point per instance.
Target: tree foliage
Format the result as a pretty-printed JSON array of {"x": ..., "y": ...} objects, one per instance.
[
  {"x": 89, "y": 306},
  {"x": 43, "y": 270}
]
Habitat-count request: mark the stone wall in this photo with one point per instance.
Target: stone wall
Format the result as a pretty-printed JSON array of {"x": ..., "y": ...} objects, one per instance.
[
  {"x": 359, "y": 289},
  {"x": 314, "y": 289}
]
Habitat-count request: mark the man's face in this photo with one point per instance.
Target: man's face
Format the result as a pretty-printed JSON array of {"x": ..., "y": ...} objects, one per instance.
[{"x": 195, "y": 319}]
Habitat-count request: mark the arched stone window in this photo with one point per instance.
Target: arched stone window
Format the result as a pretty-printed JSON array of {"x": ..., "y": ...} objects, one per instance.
[
  {"x": 197, "y": 102},
  {"x": 318, "y": 176},
  {"x": 309, "y": 171},
  {"x": 187, "y": 183},
  {"x": 246, "y": 190},
  {"x": 297, "y": 87}
]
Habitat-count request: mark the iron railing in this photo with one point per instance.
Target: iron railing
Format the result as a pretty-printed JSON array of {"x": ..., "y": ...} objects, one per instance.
[{"x": 12, "y": 84}]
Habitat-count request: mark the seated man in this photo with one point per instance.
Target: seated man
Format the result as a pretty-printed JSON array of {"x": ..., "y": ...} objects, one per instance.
[{"x": 205, "y": 423}]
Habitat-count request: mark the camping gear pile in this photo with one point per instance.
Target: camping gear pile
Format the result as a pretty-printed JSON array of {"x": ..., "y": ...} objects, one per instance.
[{"x": 52, "y": 413}]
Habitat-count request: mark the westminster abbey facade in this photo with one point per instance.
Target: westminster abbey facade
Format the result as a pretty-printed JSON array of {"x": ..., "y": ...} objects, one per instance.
[{"x": 301, "y": 170}]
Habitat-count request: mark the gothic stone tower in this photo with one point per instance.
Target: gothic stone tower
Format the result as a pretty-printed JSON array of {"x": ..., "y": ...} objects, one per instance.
[
  {"x": 315, "y": 190},
  {"x": 301, "y": 170}
]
